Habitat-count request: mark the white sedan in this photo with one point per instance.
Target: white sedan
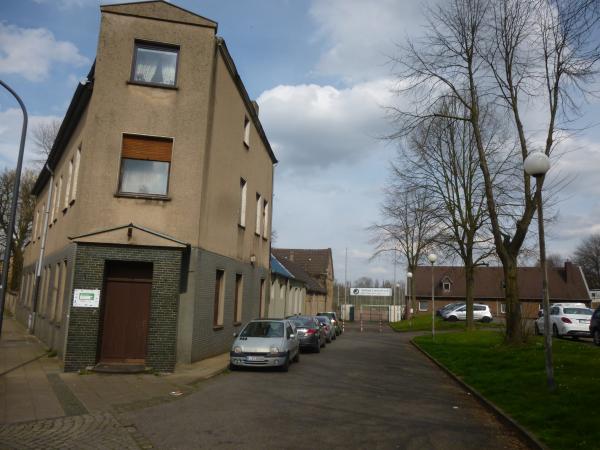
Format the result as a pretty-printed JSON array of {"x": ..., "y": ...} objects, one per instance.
[{"x": 567, "y": 320}]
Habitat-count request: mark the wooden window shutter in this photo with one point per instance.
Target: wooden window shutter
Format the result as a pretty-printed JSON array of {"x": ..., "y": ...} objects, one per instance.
[{"x": 148, "y": 148}]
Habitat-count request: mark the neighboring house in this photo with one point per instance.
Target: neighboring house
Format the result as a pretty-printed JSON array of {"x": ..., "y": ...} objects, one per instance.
[
  {"x": 288, "y": 293},
  {"x": 318, "y": 264},
  {"x": 595, "y": 297},
  {"x": 159, "y": 187},
  {"x": 315, "y": 299},
  {"x": 566, "y": 284}
]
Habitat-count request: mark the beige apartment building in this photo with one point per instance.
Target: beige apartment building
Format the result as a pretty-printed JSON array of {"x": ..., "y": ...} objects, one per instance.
[{"x": 153, "y": 217}]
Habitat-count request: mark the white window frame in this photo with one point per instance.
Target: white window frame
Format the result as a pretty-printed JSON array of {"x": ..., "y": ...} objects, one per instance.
[
  {"x": 259, "y": 206},
  {"x": 502, "y": 308},
  {"x": 425, "y": 302},
  {"x": 244, "y": 195},
  {"x": 444, "y": 284},
  {"x": 58, "y": 195},
  {"x": 68, "y": 186},
  {"x": 75, "y": 175},
  {"x": 53, "y": 209},
  {"x": 246, "y": 131},
  {"x": 265, "y": 219}
]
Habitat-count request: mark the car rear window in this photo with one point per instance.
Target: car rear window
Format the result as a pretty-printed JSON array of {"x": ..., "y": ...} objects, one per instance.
[
  {"x": 263, "y": 329},
  {"x": 323, "y": 319},
  {"x": 580, "y": 311},
  {"x": 304, "y": 322}
]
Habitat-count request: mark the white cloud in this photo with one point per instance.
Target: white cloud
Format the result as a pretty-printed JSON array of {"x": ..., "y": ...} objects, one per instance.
[
  {"x": 31, "y": 52},
  {"x": 361, "y": 36},
  {"x": 312, "y": 126},
  {"x": 11, "y": 121}
]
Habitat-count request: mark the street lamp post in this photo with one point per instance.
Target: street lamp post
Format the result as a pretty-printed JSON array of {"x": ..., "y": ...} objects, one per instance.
[
  {"x": 432, "y": 257},
  {"x": 537, "y": 165},
  {"x": 13, "y": 208},
  {"x": 408, "y": 302}
]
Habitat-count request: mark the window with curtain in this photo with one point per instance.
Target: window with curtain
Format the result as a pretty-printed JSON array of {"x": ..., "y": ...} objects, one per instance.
[
  {"x": 145, "y": 164},
  {"x": 155, "y": 64}
]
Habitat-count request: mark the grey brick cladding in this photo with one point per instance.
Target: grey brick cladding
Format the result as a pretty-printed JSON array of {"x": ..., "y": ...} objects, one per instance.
[
  {"x": 205, "y": 340},
  {"x": 84, "y": 323}
]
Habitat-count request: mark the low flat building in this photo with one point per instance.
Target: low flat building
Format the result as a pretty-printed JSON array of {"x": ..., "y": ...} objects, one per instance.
[
  {"x": 288, "y": 293},
  {"x": 566, "y": 284}
]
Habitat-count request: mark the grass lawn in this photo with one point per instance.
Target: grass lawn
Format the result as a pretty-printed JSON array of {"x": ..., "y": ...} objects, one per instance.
[
  {"x": 423, "y": 323},
  {"x": 513, "y": 377}
]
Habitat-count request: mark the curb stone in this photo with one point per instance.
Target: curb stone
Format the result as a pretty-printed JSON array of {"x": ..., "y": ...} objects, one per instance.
[{"x": 498, "y": 412}]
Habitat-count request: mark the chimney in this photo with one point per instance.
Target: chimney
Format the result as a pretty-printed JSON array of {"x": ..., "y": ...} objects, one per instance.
[
  {"x": 255, "y": 107},
  {"x": 292, "y": 256}
]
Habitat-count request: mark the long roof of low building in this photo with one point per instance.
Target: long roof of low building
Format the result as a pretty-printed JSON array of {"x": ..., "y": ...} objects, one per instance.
[{"x": 564, "y": 283}]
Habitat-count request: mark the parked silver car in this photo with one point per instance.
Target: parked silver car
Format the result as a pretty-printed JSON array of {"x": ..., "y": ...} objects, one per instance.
[{"x": 265, "y": 343}]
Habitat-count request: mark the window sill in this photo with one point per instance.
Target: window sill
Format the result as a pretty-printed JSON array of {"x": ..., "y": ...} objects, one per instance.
[
  {"x": 164, "y": 198},
  {"x": 72, "y": 202},
  {"x": 218, "y": 327},
  {"x": 154, "y": 85},
  {"x": 65, "y": 209},
  {"x": 247, "y": 145},
  {"x": 243, "y": 227}
]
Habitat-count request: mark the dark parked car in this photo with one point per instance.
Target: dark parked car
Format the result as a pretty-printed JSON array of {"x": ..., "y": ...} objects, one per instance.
[
  {"x": 334, "y": 320},
  {"x": 329, "y": 328},
  {"x": 309, "y": 331},
  {"x": 595, "y": 326}
]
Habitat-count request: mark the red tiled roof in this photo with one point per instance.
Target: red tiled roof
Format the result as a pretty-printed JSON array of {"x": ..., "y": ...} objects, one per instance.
[{"x": 564, "y": 283}]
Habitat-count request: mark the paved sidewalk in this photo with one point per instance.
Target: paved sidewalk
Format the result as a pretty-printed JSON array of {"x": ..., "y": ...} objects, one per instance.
[{"x": 32, "y": 386}]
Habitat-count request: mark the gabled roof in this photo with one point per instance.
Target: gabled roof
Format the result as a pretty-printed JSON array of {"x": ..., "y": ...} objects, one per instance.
[
  {"x": 315, "y": 261},
  {"x": 279, "y": 269},
  {"x": 564, "y": 283},
  {"x": 159, "y": 10},
  {"x": 312, "y": 285},
  {"x": 78, "y": 104}
]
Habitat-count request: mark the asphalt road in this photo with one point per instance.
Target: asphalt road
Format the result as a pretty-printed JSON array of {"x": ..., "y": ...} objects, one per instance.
[{"x": 366, "y": 390}]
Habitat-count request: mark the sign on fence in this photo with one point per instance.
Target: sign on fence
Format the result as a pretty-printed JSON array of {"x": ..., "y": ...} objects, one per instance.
[{"x": 372, "y": 292}]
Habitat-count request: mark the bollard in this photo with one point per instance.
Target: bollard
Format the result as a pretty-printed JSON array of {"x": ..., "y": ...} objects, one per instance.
[
  {"x": 361, "y": 325},
  {"x": 380, "y": 326},
  {"x": 342, "y": 326}
]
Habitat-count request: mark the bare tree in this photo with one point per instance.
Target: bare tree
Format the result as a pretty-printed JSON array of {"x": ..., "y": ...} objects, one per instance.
[
  {"x": 441, "y": 158},
  {"x": 410, "y": 226},
  {"x": 587, "y": 255},
  {"x": 44, "y": 135},
  {"x": 25, "y": 209},
  {"x": 503, "y": 56}
]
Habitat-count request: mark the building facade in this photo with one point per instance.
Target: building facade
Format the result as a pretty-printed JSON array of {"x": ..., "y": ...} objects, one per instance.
[
  {"x": 565, "y": 284},
  {"x": 316, "y": 265},
  {"x": 288, "y": 293},
  {"x": 152, "y": 226}
]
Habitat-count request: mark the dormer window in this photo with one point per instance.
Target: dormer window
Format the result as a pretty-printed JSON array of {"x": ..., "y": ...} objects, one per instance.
[
  {"x": 446, "y": 285},
  {"x": 154, "y": 64}
]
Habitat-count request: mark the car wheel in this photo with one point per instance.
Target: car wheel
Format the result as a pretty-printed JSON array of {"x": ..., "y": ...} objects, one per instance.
[
  {"x": 286, "y": 365},
  {"x": 318, "y": 346},
  {"x": 452, "y": 319},
  {"x": 555, "y": 331},
  {"x": 486, "y": 320},
  {"x": 537, "y": 329},
  {"x": 597, "y": 336},
  {"x": 297, "y": 357},
  {"x": 324, "y": 343},
  {"x": 232, "y": 367},
  {"x": 328, "y": 340}
]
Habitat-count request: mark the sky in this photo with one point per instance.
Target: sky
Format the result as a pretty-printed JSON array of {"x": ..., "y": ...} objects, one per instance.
[{"x": 321, "y": 73}]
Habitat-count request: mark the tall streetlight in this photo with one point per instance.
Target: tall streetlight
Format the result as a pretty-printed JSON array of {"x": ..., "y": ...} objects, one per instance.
[
  {"x": 432, "y": 257},
  {"x": 407, "y": 311},
  {"x": 537, "y": 165},
  {"x": 13, "y": 207}
]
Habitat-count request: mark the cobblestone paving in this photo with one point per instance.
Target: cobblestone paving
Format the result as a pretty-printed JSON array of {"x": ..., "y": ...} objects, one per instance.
[{"x": 88, "y": 431}]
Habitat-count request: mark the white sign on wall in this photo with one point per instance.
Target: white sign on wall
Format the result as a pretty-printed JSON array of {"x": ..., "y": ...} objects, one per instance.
[
  {"x": 372, "y": 292},
  {"x": 86, "y": 298}
]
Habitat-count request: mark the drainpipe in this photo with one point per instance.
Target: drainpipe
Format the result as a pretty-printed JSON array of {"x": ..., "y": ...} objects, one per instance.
[{"x": 38, "y": 269}]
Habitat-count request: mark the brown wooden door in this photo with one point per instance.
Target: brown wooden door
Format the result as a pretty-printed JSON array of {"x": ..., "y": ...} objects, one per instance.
[{"x": 127, "y": 292}]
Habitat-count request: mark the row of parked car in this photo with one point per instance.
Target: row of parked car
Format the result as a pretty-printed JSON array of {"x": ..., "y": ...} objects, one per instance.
[
  {"x": 458, "y": 311},
  {"x": 571, "y": 319},
  {"x": 278, "y": 342}
]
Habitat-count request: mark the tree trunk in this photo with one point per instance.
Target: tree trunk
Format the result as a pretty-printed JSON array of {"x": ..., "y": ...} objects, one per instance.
[
  {"x": 470, "y": 281},
  {"x": 514, "y": 330},
  {"x": 16, "y": 269}
]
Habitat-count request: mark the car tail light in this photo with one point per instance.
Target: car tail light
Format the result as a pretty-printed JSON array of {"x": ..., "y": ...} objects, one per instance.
[
  {"x": 566, "y": 320},
  {"x": 311, "y": 331}
]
